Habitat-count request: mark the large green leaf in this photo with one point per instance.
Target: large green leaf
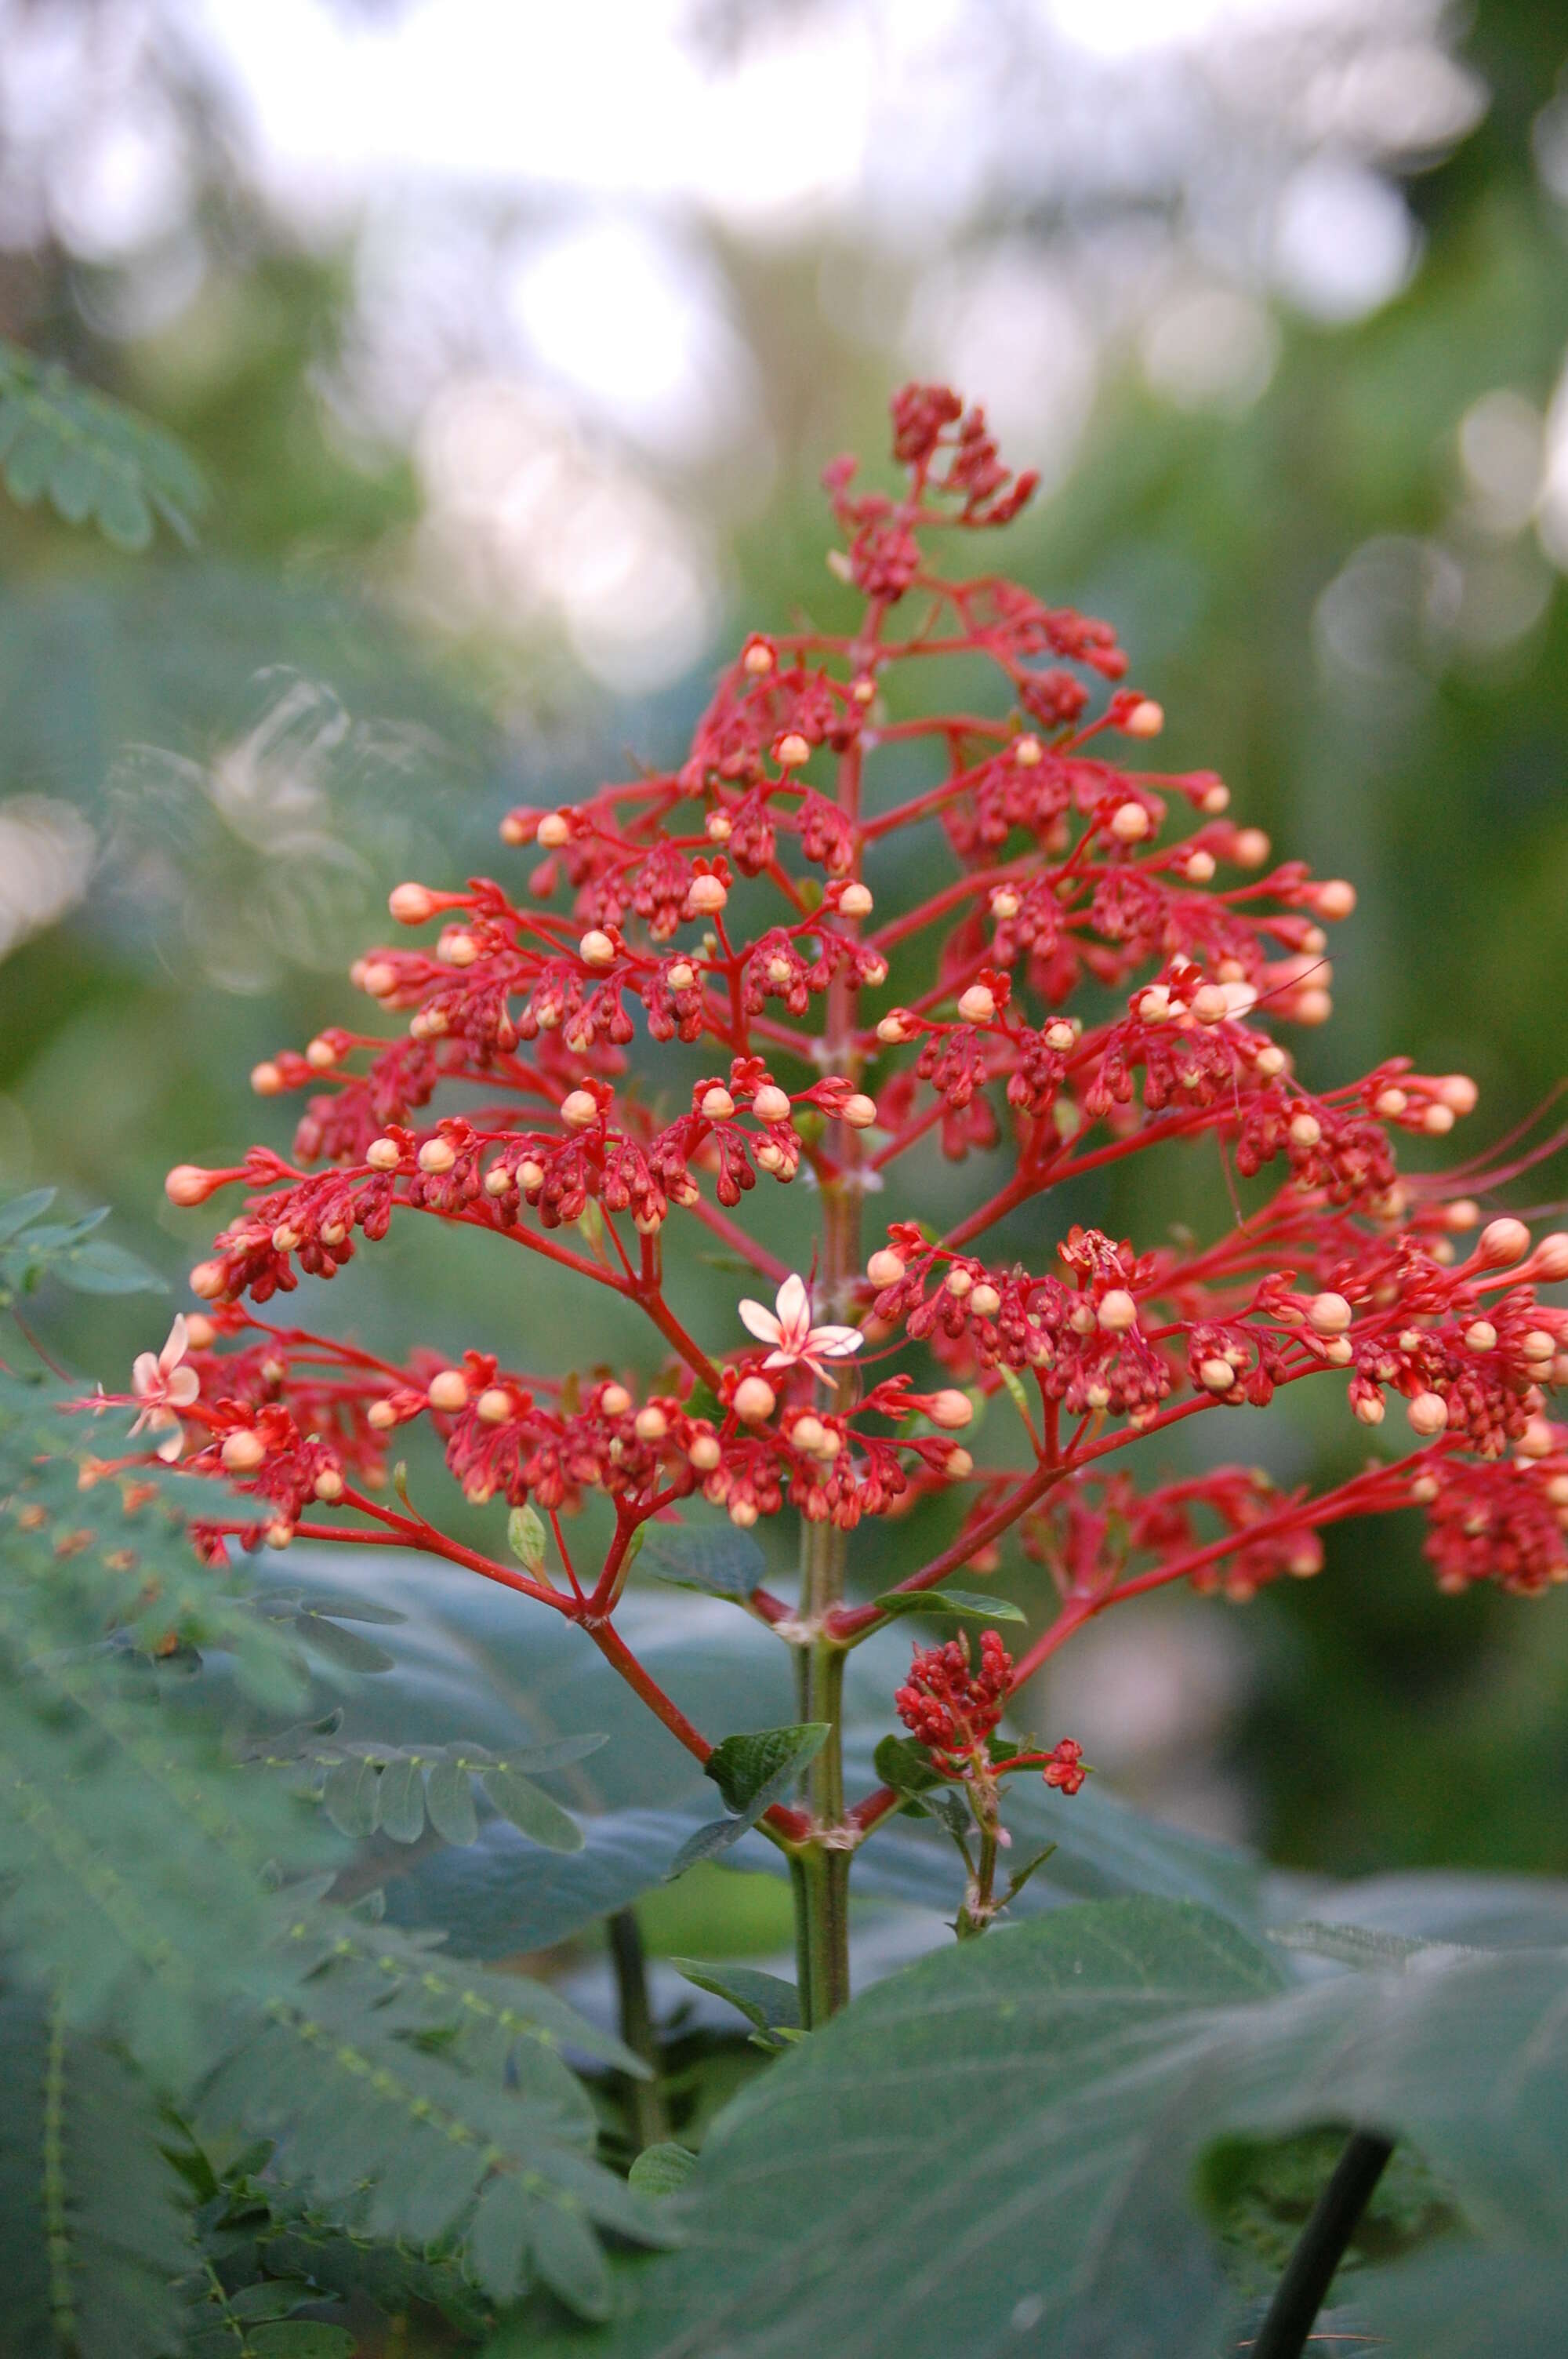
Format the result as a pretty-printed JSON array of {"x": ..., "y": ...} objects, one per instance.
[
  {"x": 1468, "y": 2304},
  {"x": 1020, "y": 2122},
  {"x": 931, "y": 2172}
]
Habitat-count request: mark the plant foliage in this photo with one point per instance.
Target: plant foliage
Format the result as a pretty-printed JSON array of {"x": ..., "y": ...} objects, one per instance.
[{"x": 91, "y": 456}]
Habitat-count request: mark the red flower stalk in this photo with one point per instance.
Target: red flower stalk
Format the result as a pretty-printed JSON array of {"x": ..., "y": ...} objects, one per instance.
[{"x": 1102, "y": 968}]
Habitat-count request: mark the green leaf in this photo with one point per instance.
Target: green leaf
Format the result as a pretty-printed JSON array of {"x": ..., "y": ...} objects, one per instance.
[
  {"x": 95, "y": 2223},
  {"x": 566, "y": 2254},
  {"x": 402, "y": 1801},
  {"x": 498, "y": 2237},
  {"x": 768, "y": 2003},
  {"x": 125, "y": 516},
  {"x": 1017, "y": 2086},
  {"x": 93, "y": 455},
  {"x": 22, "y": 1209},
  {"x": 449, "y": 1801},
  {"x": 662, "y": 2169},
  {"x": 99, "y": 1267},
  {"x": 969, "y": 1604},
  {"x": 752, "y": 1771},
  {"x": 525, "y": 1537},
  {"x": 351, "y": 1798},
  {"x": 902, "y": 1763},
  {"x": 341, "y": 1608},
  {"x": 724, "y": 1561},
  {"x": 530, "y": 1811},
  {"x": 344, "y": 1647},
  {"x": 1467, "y": 2304}
]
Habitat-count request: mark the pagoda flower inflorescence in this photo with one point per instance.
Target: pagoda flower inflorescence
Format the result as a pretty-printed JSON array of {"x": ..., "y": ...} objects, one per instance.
[{"x": 1108, "y": 964}]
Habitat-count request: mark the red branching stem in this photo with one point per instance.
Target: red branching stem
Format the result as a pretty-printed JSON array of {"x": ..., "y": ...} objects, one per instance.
[{"x": 416, "y": 1533}]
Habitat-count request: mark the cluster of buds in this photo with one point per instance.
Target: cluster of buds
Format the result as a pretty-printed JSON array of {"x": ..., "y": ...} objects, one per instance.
[{"x": 734, "y": 901}]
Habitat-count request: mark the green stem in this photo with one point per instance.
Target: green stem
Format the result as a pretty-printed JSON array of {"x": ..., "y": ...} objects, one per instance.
[
  {"x": 820, "y": 1868},
  {"x": 650, "y": 2123},
  {"x": 1309, "y": 2272}
]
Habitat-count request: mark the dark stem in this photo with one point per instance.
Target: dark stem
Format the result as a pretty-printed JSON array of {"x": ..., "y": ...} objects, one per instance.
[
  {"x": 1309, "y": 2273},
  {"x": 650, "y": 2123}
]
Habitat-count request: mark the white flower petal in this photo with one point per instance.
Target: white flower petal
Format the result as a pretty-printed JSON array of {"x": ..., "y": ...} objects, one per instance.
[
  {"x": 758, "y": 1321},
  {"x": 178, "y": 1342},
  {"x": 183, "y": 1386},
  {"x": 146, "y": 1376},
  {"x": 171, "y": 1445},
  {"x": 795, "y": 1306},
  {"x": 838, "y": 1342}
]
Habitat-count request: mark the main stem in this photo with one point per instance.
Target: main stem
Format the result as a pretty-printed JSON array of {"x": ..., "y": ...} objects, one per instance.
[{"x": 820, "y": 1871}]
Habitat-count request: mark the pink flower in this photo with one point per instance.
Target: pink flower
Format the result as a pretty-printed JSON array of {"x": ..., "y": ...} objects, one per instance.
[
  {"x": 162, "y": 1386},
  {"x": 789, "y": 1330}
]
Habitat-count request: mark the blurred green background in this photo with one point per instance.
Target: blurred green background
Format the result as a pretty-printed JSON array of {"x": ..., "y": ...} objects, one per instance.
[{"x": 502, "y": 454}]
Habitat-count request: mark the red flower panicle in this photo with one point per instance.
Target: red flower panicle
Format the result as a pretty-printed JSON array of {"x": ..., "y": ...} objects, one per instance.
[{"x": 732, "y": 903}]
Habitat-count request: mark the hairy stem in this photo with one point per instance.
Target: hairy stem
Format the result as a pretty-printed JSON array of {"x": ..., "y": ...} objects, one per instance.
[
  {"x": 1309, "y": 2273},
  {"x": 650, "y": 2122}
]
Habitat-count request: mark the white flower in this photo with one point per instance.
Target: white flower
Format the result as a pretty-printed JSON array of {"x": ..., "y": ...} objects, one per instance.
[
  {"x": 789, "y": 1330},
  {"x": 162, "y": 1386}
]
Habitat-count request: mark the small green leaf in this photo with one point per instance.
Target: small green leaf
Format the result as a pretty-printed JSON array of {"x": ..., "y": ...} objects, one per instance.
[
  {"x": 567, "y": 2255},
  {"x": 1023, "y": 1874},
  {"x": 969, "y": 1604},
  {"x": 948, "y": 1804},
  {"x": 123, "y": 515},
  {"x": 496, "y": 2246},
  {"x": 272, "y": 2298},
  {"x": 662, "y": 2169},
  {"x": 23, "y": 1208},
  {"x": 703, "y": 1401},
  {"x": 751, "y": 1771},
  {"x": 530, "y": 1811},
  {"x": 905, "y": 1765},
  {"x": 344, "y": 1647},
  {"x": 449, "y": 1801},
  {"x": 350, "y": 1609},
  {"x": 76, "y": 483},
  {"x": 558, "y": 1753},
  {"x": 403, "y": 1801},
  {"x": 725, "y": 1561},
  {"x": 1016, "y": 1393},
  {"x": 100, "y": 1267},
  {"x": 351, "y": 1798},
  {"x": 525, "y": 1537},
  {"x": 769, "y": 2004},
  {"x": 718, "y": 1835}
]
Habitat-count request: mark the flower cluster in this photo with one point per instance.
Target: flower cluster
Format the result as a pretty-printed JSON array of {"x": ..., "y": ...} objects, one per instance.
[{"x": 732, "y": 903}]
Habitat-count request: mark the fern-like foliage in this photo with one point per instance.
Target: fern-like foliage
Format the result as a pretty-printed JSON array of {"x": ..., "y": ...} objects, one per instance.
[
  {"x": 167, "y": 1915},
  {"x": 94, "y": 2230},
  {"x": 91, "y": 455}
]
